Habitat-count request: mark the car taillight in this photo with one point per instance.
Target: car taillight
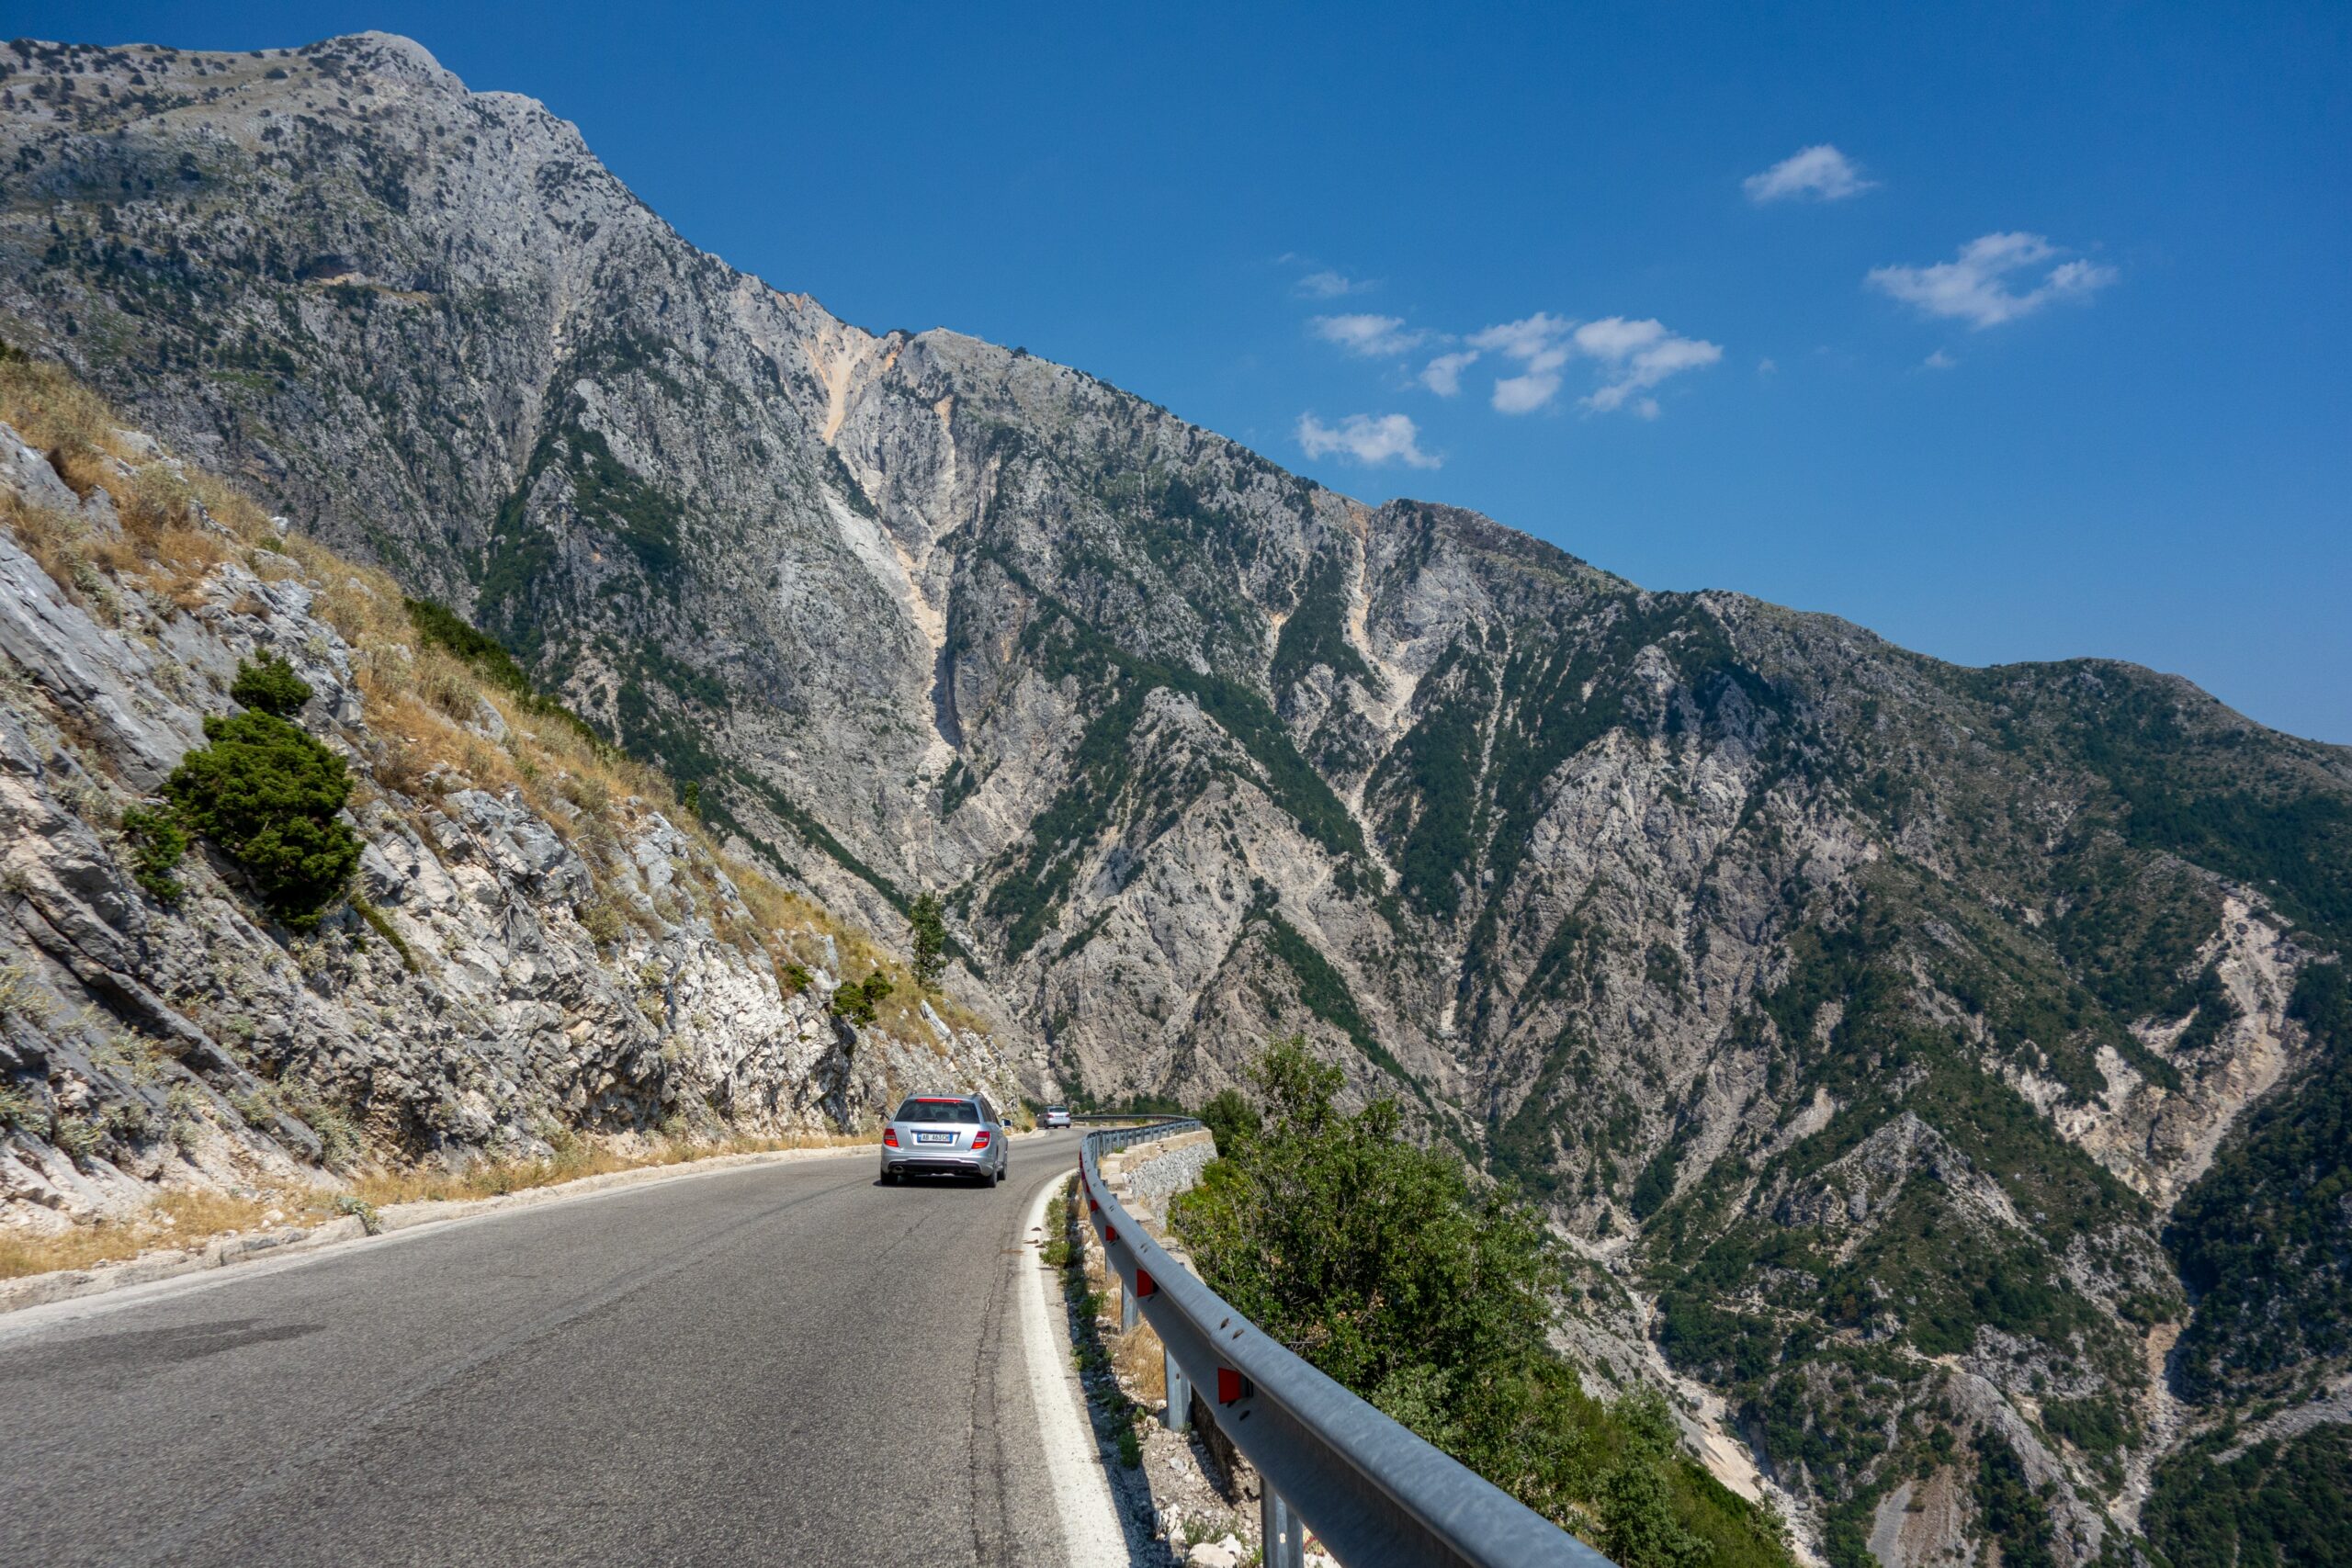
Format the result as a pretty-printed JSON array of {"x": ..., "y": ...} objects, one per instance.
[
  {"x": 890, "y": 1136},
  {"x": 979, "y": 1140}
]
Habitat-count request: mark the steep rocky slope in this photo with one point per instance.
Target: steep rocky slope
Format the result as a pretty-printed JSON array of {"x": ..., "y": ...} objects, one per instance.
[
  {"x": 1878, "y": 1019},
  {"x": 537, "y": 943}
]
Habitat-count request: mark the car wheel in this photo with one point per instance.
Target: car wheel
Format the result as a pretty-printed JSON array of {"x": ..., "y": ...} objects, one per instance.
[{"x": 890, "y": 1179}]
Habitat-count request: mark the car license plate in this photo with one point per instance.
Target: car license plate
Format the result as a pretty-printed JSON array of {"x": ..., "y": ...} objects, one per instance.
[{"x": 935, "y": 1137}]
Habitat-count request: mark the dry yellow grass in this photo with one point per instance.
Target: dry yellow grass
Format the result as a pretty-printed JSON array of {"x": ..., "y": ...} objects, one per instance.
[
  {"x": 188, "y": 1220},
  {"x": 1142, "y": 1366},
  {"x": 58, "y": 415},
  {"x": 493, "y": 1179},
  {"x": 176, "y": 1220}
]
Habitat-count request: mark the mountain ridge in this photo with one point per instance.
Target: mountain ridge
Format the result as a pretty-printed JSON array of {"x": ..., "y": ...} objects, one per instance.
[{"x": 1700, "y": 919}]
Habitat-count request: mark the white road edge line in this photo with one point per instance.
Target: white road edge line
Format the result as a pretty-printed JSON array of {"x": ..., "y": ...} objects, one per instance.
[{"x": 1091, "y": 1530}]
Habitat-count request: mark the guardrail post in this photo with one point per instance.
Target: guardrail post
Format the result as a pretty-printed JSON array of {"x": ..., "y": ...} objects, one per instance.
[
  {"x": 1129, "y": 1313},
  {"x": 1278, "y": 1528},
  {"x": 1179, "y": 1392}
]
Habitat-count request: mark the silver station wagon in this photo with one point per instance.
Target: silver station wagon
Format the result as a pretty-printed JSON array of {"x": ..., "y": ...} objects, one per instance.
[{"x": 945, "y": 1135}]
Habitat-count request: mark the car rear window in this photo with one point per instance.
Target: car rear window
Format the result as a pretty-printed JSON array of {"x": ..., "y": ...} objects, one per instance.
[{"x": 962, "y": 1113}]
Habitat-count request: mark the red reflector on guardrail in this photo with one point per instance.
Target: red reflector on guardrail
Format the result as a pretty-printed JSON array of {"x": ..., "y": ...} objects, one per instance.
[
  {"x": 1110, "y": 1233},
  {"x": 1145, "y": 1283},
  {"x": 1230, "y": 1385}
]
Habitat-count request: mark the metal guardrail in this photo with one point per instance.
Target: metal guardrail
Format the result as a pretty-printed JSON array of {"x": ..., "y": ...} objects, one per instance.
[{"x": 1372, "y": 1493}]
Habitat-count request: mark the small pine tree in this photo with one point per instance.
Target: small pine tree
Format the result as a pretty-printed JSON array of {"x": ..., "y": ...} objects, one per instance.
[
  {"x": 269, "y": 686},
  {"x": 930, "y": 928},
  {"x": 859, "y": 1003},
  {"x": 268, "y": 794}
]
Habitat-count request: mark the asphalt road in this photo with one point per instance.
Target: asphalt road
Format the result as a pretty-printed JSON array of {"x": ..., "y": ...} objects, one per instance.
[{"x": 785, "y": 1363}]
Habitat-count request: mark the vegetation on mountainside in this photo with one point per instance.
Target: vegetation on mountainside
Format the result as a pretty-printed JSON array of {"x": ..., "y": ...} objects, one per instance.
[
  {"x": 1317, "y": 631},
  {"x": 1431, "y": 775},
  {"x": 1872, "y": 1261},
  {"x": 927, "y": 930},
  {"x": 859, "y": 1003},
  {"x": 2184, "y": 777},
  {"x": 2281, "y": 1503},
  {"x": 1106, "y": 790},
  {"x": 2073, "y": 824},
  {"x": 425, "y": 680},
  {"x": 1321, "y": 989},
  {"x": 1376, "y": 1260},
  {"x": 2265, "y": 1238},
  {"x": 268, "y": 794},
  {"x": 157, "y": 840}
]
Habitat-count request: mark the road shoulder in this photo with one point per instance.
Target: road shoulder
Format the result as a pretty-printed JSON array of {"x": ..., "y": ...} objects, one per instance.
[{"x": 1092, "y": 1532}]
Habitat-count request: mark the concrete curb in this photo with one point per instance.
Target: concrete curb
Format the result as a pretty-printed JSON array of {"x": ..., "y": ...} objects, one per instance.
[{"x": 70, "y": 1284}]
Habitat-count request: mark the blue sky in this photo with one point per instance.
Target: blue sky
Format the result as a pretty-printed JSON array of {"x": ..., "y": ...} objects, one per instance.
[{"x": 2048, "y": 357}]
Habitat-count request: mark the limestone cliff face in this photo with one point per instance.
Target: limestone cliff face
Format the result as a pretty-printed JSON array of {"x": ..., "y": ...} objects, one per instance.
[
  {"x": 508, "y": 974},
  {"x": 1872, "y": 1016}
]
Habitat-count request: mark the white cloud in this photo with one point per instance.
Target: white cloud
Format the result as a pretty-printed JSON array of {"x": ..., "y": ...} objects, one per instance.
[
  {"x": 1443, "y": 374},
  {"x": 1766, "y": 366},
  {"x": 1637, "y": 356},
  {"x": 1370, "y": 336},
  {"x": 1541, "y": 343},
  {"x": 1525, "y": 394},
  {"x": 1614, "y": 337},
  {"x": 1329, "y": 285},
  {"x": 1818, "y": 174},
  {"x": 1529, "y": 340},
  {"x": 1938, "y": 360},
  {"x": 1370, "y": 439},
  {"x": 1975, "y": 287}
]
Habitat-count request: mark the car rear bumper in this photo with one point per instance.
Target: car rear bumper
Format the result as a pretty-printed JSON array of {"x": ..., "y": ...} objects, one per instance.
[{"x": 959, "y": 1163}]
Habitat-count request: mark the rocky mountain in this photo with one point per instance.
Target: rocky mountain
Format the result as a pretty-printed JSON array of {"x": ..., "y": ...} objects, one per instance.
[
  {"x": 1946, "y": 1066},
  {"x": 533, "y": 948}
]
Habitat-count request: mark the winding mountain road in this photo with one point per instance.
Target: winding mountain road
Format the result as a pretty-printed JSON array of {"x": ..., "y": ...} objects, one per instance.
[{"x": 777, "y": 1363}]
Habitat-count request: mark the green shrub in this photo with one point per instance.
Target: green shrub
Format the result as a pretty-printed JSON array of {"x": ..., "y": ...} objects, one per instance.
[
  {"x": 1376, "y": 1260},
  {"x": 1231, "y": 1118},
  {"x": 128, "y": 1121},
  {"x": 269, "y": 686},
  {"x": 76, "y": 1136},
  {"x": 157, "y": 841},
  {"x": 267, "y": 795},
  {"x": 20, "y": 1108},
  {"x": 184, "y": 1117},
  {"x": 930, "y": 928},
  {"x": 602, "y": 922},
  {"x": 857, "y": 1003},
  {"x": 352, "y": 1203},
  {"x": 439, "y": 625}
]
